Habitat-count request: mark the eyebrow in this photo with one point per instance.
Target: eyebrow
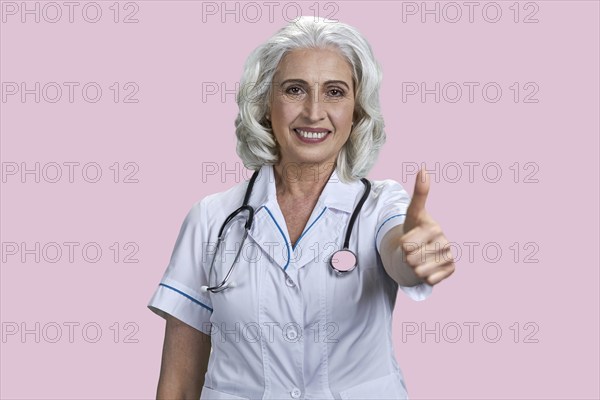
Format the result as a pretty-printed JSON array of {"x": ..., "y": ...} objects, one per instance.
[{"x": 302, "y": 81}]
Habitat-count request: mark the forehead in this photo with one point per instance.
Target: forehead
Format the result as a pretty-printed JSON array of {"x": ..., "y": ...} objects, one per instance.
[{"x": 314, "y": 64}]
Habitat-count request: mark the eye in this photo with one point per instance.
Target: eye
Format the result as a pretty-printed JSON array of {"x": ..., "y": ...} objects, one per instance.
[
  {"x": 336, "y": 92},
  {"x": 294, "y": 90}
]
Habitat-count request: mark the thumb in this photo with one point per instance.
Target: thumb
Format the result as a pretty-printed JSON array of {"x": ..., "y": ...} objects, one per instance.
[{"x": 417, "y": 203}]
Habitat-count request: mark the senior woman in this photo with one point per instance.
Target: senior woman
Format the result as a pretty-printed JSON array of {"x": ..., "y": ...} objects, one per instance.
[{"x": 284, "y": 315}]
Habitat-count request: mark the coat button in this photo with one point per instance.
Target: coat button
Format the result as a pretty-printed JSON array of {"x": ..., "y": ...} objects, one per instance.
[
  {"x": 291, "y": 334},
  {"x": 295, "y": 393},
  {"x": 289, "y": 282}
]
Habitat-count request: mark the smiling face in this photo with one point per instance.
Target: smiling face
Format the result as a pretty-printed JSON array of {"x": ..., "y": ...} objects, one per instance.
[{"x": 312, "y": 105}]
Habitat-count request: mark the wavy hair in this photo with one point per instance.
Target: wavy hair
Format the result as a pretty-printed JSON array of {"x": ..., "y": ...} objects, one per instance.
[{"x": 256, "y": 144}]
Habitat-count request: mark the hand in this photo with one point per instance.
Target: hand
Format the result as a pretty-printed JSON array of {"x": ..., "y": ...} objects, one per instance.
[{"x": 424, "y": 244}]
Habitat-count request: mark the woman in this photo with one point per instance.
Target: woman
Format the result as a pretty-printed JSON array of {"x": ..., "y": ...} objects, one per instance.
[{"x": 288, "y": 322}]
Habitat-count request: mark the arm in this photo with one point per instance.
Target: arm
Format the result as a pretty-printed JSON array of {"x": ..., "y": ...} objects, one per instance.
[{"x": 184, "y": 361}]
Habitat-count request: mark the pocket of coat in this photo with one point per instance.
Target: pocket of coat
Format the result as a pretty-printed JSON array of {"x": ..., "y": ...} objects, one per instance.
[
  {"x": 387, "y": 387},
  {"x": 211, "y": 394}
]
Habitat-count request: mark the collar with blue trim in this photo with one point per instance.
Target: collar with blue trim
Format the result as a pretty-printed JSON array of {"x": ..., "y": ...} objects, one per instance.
[{"x": 336, "y": 194}]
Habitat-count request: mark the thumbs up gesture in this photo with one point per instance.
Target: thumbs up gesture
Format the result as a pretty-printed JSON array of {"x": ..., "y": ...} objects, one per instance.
[{"x": 425, "y": 246}]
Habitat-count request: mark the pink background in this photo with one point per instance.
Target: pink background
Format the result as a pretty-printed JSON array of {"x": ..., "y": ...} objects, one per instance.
[{"x": 171, "y": 133}]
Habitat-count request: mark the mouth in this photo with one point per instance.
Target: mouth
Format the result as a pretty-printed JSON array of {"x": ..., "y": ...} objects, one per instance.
[{"x": 312, "y": 135}]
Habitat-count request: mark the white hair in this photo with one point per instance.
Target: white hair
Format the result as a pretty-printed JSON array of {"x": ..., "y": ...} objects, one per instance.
[{"x": 256, "y": 144}]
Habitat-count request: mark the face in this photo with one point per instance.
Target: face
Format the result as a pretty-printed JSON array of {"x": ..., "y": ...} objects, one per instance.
[{"x": 312, "y": 105}]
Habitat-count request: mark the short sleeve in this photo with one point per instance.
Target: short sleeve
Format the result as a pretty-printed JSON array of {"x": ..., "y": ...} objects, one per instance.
[
  {"x": 178, "y": 292},
  {"x": 392, "y": 202}
]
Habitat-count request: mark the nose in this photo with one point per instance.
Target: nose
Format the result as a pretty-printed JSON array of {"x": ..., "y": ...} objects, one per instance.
[{"x": 314, "y": 108}]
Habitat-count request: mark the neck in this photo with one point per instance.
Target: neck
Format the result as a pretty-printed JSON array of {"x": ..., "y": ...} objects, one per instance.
[{"x": 301, "y": 180}]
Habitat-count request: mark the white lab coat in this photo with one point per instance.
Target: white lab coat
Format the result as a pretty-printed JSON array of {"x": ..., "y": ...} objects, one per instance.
[{"x": 291, "y": 328}]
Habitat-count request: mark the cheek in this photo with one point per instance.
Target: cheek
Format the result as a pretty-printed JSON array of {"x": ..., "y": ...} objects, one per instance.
[
  {"x": 343, "y": 116},
  {"x": 284, "y": 112}
]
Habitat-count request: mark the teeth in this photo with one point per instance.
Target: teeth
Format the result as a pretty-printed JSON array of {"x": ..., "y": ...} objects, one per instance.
[{"x": 311, "y": 135}]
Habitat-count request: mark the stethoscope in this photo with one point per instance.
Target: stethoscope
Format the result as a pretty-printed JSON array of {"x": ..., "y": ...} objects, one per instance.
[{"x": 342, "y": 261}]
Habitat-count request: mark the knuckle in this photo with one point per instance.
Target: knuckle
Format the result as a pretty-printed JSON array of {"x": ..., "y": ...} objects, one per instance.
[
  {"x": 448, "y": 256},
  {"x": 437, "y": 230},
  {"x": 412, "y": 262}
]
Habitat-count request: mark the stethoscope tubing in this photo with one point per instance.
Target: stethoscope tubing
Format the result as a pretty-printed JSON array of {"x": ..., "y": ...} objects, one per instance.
[{"x": 246, "y": 207}]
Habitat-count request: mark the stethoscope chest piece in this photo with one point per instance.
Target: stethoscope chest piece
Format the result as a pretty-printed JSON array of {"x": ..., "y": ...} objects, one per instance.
[{"x": 343, "y": 261}]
